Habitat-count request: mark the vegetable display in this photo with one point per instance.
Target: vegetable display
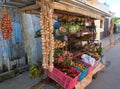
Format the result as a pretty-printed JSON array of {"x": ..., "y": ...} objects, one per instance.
[
  {"x": 66, "y": 69},
  {"x": 100, "y": 51},
  {"x": 34, "y": 72},
  {"x": 59, "y": 44},
  {"x": 79, "y": 65},
  {"x": 72, "y": 29},
  {"x": 65, "y": 57},
  {"x": 62, "y": 30},
  {"x": 66, "y": 26}
]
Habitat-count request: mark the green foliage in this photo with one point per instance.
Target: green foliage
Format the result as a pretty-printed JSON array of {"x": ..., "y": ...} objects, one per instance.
[
  {"x": 116, "y": 19},
  {"x": 66, "y": 26},
  {"x": 100, "y": 51},
  {"x": 58, "y": 51},
  {"x": 38, "y": 33}
]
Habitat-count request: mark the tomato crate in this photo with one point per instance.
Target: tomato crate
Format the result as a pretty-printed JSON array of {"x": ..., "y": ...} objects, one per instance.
[
  {"x": 78, "y": 60},
  {"x": 63, "y": 79}
]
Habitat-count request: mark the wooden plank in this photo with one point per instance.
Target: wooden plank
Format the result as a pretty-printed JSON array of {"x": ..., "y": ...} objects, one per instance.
[
  {"x": 77, "y": 4},
  {"x": 29, "y": 11},
  {"x": 73, "y": 9},
  {"x": 69, "y": 6},
  {"x": 23, "y": 1},
  {"x": 88, "y": 79},
  {"x": 39, "y": 3},
  {"x": 82, "y": 4},
  {"x": 31, "y": 7}
]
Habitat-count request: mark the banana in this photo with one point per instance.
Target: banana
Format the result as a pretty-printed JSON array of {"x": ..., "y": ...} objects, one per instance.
[{"x": 34, "y": 72}]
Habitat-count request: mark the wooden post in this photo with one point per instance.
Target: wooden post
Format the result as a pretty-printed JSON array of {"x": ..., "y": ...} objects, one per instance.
[{"x": 111, "y": 32}]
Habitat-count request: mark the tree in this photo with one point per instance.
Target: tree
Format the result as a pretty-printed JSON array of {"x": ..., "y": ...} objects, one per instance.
[
  {"x": 116, "y": 20},
  {"x": 111, "y": 32}
]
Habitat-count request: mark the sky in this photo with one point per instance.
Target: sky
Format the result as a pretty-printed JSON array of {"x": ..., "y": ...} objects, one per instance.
[{"x": 114, "y": 6}]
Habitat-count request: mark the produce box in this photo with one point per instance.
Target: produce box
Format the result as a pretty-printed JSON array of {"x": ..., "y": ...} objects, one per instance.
[
  {"x": 90, "y": 67},
  {"x": 63, "y": 79},
  {"x": 78, "y": 59},
  {"x": 83, "y": 72},
  {"x": 83, "y": 68}
]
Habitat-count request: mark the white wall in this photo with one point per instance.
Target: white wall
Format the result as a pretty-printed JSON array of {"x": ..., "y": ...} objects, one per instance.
[
  {"x": 98, "y": 29},
  {"x": 97, "y": 24},
  {"x": 104, "y": 7}
]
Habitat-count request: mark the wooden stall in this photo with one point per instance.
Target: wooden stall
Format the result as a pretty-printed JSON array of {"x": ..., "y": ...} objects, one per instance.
[
  {"x": 45, "y": 9},
  {"x": 73, "y": 7}
]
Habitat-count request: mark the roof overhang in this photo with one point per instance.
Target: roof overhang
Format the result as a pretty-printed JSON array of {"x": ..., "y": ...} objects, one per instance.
[{"x": 72, "y": 6}]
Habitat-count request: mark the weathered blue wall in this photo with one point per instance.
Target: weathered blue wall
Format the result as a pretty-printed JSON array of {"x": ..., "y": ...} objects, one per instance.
[
  {"x": 8, "y": 48},
  {"x": 32, "y": 44},
  {"x": 36, "y": 26},
  {"x": 23, "y": 42}
]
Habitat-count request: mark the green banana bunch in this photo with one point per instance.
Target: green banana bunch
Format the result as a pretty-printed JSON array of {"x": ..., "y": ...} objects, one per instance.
[{"x": 34, "y": 72}]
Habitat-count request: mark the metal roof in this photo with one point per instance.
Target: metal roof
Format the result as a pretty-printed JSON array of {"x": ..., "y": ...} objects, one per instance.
[{"x": 16, "y": 3}]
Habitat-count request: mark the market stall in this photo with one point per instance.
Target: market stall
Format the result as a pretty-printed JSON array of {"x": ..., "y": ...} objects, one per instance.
[{"x": 70, "y": 56}]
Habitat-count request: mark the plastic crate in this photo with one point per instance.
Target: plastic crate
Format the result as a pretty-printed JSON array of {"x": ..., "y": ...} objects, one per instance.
[
  {"x": 83, "y": 72},
  {"x": 77, "y": 59},
  {"x": 90, "y": 67},
  {"x": 61, "y": 78}
]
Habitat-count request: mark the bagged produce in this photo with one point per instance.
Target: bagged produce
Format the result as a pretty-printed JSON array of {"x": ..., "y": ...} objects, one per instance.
[{"x": 88, "y": 59}]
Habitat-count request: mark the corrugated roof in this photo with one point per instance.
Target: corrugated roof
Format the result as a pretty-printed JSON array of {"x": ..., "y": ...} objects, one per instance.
[{"x": 17, "y": 3}]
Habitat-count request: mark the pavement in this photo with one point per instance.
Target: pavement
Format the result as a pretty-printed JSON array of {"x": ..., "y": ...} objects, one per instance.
[
  {"x": 109, "y": 77},
  {"x": 24, "y": 82},
  {"x": 106, "y": 42}
]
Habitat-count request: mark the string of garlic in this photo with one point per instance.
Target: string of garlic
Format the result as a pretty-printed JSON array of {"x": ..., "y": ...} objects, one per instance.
[{"x": 47, "y": 35}]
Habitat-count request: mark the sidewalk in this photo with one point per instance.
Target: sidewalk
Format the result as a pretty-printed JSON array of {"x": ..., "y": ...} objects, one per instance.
[
  {"x": 105, "y": 41},
  {"x": 24, "y": 82},
  {"x": 21, "y": 81}
]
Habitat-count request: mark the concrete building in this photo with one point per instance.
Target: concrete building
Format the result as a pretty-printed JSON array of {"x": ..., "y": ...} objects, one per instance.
[{"x": 102, "y": 25}]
